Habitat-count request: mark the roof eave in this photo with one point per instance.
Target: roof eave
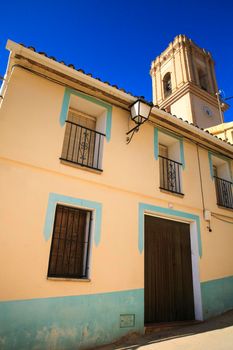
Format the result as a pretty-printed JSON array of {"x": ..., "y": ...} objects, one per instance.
[{"x": 114, "y": 92}]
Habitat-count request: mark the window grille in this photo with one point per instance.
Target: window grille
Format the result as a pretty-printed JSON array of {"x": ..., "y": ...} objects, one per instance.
[
  {"x": 70, "y": 243},
  {"x": 82, "y": 144},
  {"x": 224, "y": 192},
  {"x": 170, "y": 175},
  {"x": 169, "y": 171}
]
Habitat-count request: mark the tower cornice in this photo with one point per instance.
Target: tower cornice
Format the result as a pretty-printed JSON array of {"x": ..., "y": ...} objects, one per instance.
[
  {"x": 180, "y": 42},
  {"x": 192, "y": 88}
]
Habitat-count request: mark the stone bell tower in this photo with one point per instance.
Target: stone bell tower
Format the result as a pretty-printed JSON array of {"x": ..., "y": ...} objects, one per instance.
[{"x": 184, "y": 83}]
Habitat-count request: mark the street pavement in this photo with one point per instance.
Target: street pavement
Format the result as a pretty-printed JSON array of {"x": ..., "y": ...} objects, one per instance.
[{"x": 214, "y": 334}]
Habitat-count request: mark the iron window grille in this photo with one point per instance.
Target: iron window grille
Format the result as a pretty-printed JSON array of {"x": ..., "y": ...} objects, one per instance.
[
  {"x": 170, "y": 175},
  {"x": 70, "y": 245},
  {"x": 83, "y": 146},
  {"x": 224, "y": 192}
]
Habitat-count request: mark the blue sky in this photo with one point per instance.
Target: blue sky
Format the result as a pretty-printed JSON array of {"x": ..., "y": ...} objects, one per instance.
[{"x": 117, "y": 40}]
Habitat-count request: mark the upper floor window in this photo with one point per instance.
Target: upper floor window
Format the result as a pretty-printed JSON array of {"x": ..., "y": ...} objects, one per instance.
[
  {"x": 223, "y": 182},
  {"x": 169, "y": 171},
  {"x": 169, "y": 150},
  {"x": 69, "y": 255},
  {"x": 83, "y": 140},
  {"x": 167, "y": 85}
]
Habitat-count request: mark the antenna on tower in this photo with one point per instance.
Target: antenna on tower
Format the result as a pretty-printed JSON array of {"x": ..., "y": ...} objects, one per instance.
[{"x": 219, "y": 96}]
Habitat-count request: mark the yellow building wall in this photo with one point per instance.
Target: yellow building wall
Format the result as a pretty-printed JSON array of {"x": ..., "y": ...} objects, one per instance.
[{"x": 31, "y": 143}]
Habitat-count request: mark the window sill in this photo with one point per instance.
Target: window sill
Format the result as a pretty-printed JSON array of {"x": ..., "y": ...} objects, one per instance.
[
  {"x": 225, "y": 208},
  {"x": 180, "y": 195},
  {"x": 68, "y": 279},
  {"x": 82, "y": 167}
]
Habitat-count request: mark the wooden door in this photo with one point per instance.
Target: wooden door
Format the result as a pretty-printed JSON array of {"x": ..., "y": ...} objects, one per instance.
[{"x": 168, "y": 271}]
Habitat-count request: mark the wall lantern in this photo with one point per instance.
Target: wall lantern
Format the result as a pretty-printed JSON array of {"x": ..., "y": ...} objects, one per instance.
[{"x": 139, "y": 112}]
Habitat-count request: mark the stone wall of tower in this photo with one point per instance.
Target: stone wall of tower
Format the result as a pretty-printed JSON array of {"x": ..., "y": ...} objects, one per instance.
[
  {"x": 193, "y": 82},
  {"x": 174, "y": 60}
]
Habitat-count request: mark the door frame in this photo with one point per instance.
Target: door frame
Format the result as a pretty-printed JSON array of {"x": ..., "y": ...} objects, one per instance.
[{"x": 194, "y": 223}]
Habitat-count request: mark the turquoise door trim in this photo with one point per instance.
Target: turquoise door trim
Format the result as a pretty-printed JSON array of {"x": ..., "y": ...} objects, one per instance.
[
  {"x": 210, "y": 155},
  {"x": 217, "y": 296},
  {"x": 156, "y": 144},
  {"x": 55, "y": 198},
  {"x": 70, "y": 322},
  {"x": 65, "y": 106},
  {"x": 143, "y": 207}
]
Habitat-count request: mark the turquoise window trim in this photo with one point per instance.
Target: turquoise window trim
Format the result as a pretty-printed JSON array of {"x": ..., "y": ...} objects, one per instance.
[
  {"x": 156, "y": 144},
  {"x": 182, "y": 153},
  {"x": 65, "y": 107},
  {"x": 143, "y": 207},
  {"x": 55, "y": 198},
  {"x": 211, "y": 165},
  {"x": 210, "y": 154}
]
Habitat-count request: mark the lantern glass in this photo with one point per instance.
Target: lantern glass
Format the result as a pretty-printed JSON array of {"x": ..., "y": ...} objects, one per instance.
[
  {"x": 144, "y": 110},
  {"x": 135, "y": 110},
  {"x": 140, "y": 111}
]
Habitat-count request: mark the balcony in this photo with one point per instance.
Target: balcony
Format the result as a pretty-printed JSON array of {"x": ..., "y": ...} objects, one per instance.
[
  {"x": 82, "y": 146},
  {"x": 170, "y": 175},
  {"x": 224, "y": 192}
]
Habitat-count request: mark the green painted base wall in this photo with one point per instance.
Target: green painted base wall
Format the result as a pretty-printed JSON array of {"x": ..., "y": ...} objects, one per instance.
[
  {"x": 84, "y": 321},
  {"x": 69, "y": 322},
  {"x": 217, "y": 296}
]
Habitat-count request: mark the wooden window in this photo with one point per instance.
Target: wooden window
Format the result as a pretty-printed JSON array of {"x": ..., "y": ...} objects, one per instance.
[
  {"x": 163, "y": 151},
  {"x": 70, "y": 243}
]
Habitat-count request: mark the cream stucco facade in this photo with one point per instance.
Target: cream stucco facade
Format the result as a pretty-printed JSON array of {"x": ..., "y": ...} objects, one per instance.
[{"x": 61, "y": 313}]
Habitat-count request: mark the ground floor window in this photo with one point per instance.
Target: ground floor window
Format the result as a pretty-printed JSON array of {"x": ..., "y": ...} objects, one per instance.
[{"x": 69, "y": 254}]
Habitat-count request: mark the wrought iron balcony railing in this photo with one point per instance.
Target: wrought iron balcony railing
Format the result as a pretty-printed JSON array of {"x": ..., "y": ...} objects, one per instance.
[
  {"x": 170, "y": 175},
  {"x": 224, "y": 192},
  {"x": 82, "y": 146}
]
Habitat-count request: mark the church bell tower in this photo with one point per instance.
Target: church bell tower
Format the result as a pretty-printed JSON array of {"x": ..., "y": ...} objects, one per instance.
[{"x": 184, "y": 83}]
